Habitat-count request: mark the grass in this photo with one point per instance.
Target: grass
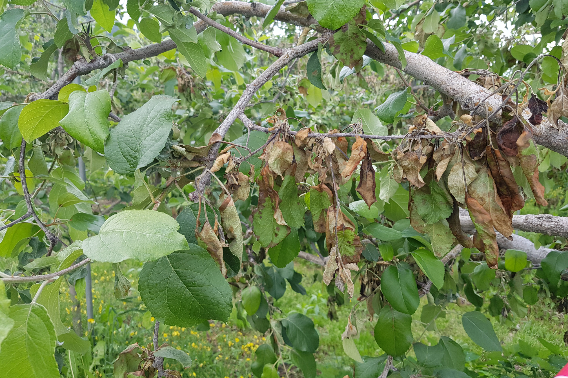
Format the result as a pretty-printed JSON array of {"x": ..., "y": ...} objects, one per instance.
[{"x": 227, "y": 350}]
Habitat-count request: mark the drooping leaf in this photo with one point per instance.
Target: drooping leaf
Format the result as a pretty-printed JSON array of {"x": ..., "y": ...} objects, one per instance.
[
  {"x": 284, "y": 252},
  {"x": 462, "y": 174},
  {"x": 14, "y": 235},
  {"x": 194, "y": 55},
  {"x": 301, "y": 333},
  {"x": 28, "y": 350},
  {"x": 306, "y": 362},
  {"x": 432, "y": 202},
  {"x": 9, "y": 131},
  {"x": 507, "y": 188},
  {"x": 272, "y": 13},
  {"x": 185, "y": 288},
  {"x": 87, "y": 120},
  {"x": 314, "y": 70},
  {"x": 485, "y": 238},
  {"x": 367, "y": 183},
  {"x": 430, "y": 265},
  {"x": 62, "y": 33},
  {"x": 292, "y": 206},
  {"x": 349, "y": 43},
  {"x": 320, "y": 201},
  {"x": 358, "y": 153},
  {"x": 389, "y": 109},
  {"x": 399, "y": 288},
  {"x": 264, "y": 355},
  {"x": 480, "y": 330},
  {"x": 39, "y": 117},
  {"x": 39, "y": 67},
  {"x": 393, "y": 331},
  {"x": 175, "y": 354},
  {"x": 140, "y": 136},
  {"x": 9, "y": 38},
  {"x": 232, "y": 226},
  {"x": 265, "y": 226},
  {"x": 135, "y": 234},
  {"x": 6, "y": 323},
  {"x": 334, "y": 14},
  {"x": 529, "y": 165}
]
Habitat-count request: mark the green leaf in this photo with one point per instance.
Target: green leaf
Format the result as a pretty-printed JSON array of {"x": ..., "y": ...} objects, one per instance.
[
  {"x": 372, "y": 367},
  {"x": 269, "y": 371},
  {"x": 454, "y": 356},
  {"x": 94, "y": 80},
  {"x": 292, "y": 206},
  {"x": 14, "y": 235},
  {"x": 382, "y": 232},
  {"x": 332, "y": 14},
  {"x": 431, "y": 22},
  {"x": 183, "y": 34},
  {"x": 459, "y": 57},
  {"x": 432, "y": 203},
  {"x": 163, "y": 12},
  {"x": 135, "y": 234},
  {"x": 9, "y": 38},
  {"x": 28, "y": 350},
  {"x": 140, "y": 136},
  {"x": 515, "y": 261},
  {"x": 388, "y": 110},
  {"x": 433, "y": 48},
  {"x": 39, "y": 68},
  {"x": 101, "y": 13},
  {"x": 257, "y": 139},
  {"x": 314, "y": 70},
  {"x": 480, "y": 330},
  {"x": 361, "y": 208},
  {"x": 519, "y": 51},
  {"x": 286, "y": 251},
  {"x": 351, "y": 350},
  {"x": 173, "y": 353},
  {"x": 482, "y": 276},
  {"x": 74, "y": 343},
  {"x": 411, "y": 46},
  {"x": 66, "y": 91},
  {"x": 371, "y": 124},
  {"x": 133, "y": 9},
  {"x": 84, "y": 222},
  {"x": 251, "y": 297},
  {"x": 457, "y": 18},
  {"x": 185, "y": 288},
  {"x": 301, "y": 333},
  {"x": 272, "y": 13},
  {"x": 264, "y": 356},
  {"x": 39, "y": 117},
  {"x": 530, "y": 295},
  {"x": 429, "y": 356},
  {"x": 266, "y": 229},
  {"x": 399, "y": 288},
  {"x": 6, "y": 323},
  {"x": 194, "y": 55},
  {"x": 9, "y": 132},
  {"x": 560, "y": 8},
  {"x": 306, "y": 362},
  {"x": 62, "y": 33},
  {"x": 430, "y": 265},
  {"x": 87, "y": 120},
  {"x": 393, "y": 331},
  {"x": 387, "y": 251},
  {"x": 151, "y": 29},
  {"x": 49, "y": 298}
]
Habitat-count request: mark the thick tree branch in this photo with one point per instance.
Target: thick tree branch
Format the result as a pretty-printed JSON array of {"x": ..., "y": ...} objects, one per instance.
[
  {"x": 541, "y": 223},
  {"x": 44, "y": 277}
]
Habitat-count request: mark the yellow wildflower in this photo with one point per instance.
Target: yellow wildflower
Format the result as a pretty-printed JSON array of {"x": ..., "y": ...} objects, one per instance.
[{"x": 91, "y": 320}]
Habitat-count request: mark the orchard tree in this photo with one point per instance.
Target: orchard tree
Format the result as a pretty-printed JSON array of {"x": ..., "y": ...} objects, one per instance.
[{"x": 393, "y": 144}]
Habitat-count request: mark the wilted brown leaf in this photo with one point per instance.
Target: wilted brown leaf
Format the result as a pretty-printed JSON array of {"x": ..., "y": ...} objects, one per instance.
[
  {"x": 216, "y": 137},
  {"x": 455, "y": 227},
  {"x": 529, "y": 165},
  {"x": 462, "y": 173},
  {"x": 220, "y": 161},
  {"x": 348, "y": 243},
  {"x": 442, "y": 157},
  {"x": 559, "y": 108},
  {"x": 214, "y": 246},
  {"x": 377, "y": 155},
  {"x": 483, "y": 190},
  {"x": 301, "y": 138},
  {"x": 476, "y": 146},
  {"x": 508, "y": 135},
  {"x": 411, "y": 163},
  {"x": 507, "y": 187},
  {"x": 367, "y": 184},
  {"x": 232, "y": 227},
  {"x": 238, "y": 185},
  {"x": 279, "y": 156},
  {"x": 358, "y": 153},
  {"x": 321, "y": 221},
  {"x": 485, "y": 238},
  {"x": 537, "y": 107}
]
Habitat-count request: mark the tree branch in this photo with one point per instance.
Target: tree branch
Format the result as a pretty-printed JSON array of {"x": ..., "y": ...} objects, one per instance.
[
  {"x": 541, "y": 223},
  {"x": 272, "y": 50},
  {"x": 44, "y": 277}
]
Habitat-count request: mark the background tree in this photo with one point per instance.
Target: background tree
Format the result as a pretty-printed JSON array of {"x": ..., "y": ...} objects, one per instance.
[{"x": 398, "y": 146}]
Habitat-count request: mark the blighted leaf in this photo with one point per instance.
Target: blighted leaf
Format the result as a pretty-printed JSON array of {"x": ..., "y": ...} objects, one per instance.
[
  {"x": 367, "y": 183},
  {"x": 292, "y": 206},
  {"x": 220, "y": 161},
  {"x": 358, "y": 153},
  {"x": 485, "y": 238},
  {"x": 508, "y": 135},
  {"x": 301, "y": 138},
  {"x": 456, "y": 229},
  {"x": 333, "y": 14},
  {"x": 432, "y": 202},
  {"x": 462, "y": 174},
  {"x": 483, "y": 190},
  {"x": 265, "y": 225},
  {"x": 214, "y": 246},
  {"x": 232, "y": 227},
  {"x": 476, "y": 147},
  {"x": 279, "y": 156},
  {"x": 559, "y": 108},
  {"x": 239, "y": 185},
  {"x": 348, "y": 244},
  {"x": 314, "y": 71},
  {"x": 507, "y": 187},
  {"x": 529, "y": 165},
  {"x": 320, "y": 200},
  {"x": 443, "y": 156},
  {"x": 348, "y": 44},
  {"x": 537, "y": 108}
]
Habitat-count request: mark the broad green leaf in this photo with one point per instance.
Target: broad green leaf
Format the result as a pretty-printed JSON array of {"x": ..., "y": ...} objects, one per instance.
[
  {"x": 6, "y": 323},
  {"x": 291, "y": 205},
  {"x": 185, "y": 288},
  {"x": 9, "y": 38},
  {"x": 399, "y": 288},
  {"x": 482, "y": 276},
  {"x": 175, "y": 354},
  {"x": 520, "y": 51},
  {"x": 68, "y": 255},
  {"x": 133, "y": 9},
  {"x": 286, "y": 251},
  {"x": 28, "y": 350},
  {"x": 371, "y": 124},
  {"x": 140, "y": 136},
  {"x": 9, "y": 132},
  {"x": 430, "y": 265},
  {"x": 266, "y": 229},
  {"x": 184, "y": 34},
  {"x": 64, "y": 193},
  {"x": 382, "y": 232},
  {"x": 301, "y": 333},
  {"x": 257, "y": 139},
  {"x": 314, "y": 71},
  {"x": 151, "y": 29},
  {"x": 332, "y": 14},
  {"x": 39, "y": 67},
  {"x": 14, "y": 235},
  {"x": 87, "y": 120},
  {"x": 553, "y": 264},
  {"x": 388, "y": 186},
  {"x": 530, "y": 295},
  {"x": 393, "y": 332},
  {"x": 433, "y": 48},
  {"x": 163, "y": 12},
  {"x": 431, "y": 22},
  {"x": 429, "y": 356},
  {"x": 94, "y": 80},
  {"x": 72, "y": 342},
  {"x": 560, "y": 8},
  {"x": 62, "y": 33},
  {"x": 135, "y": 234},
  {"x": 39, "y": 117},
  {"x": 269, "y": 371},
  {"x": 84, "y": 222},
  {"x": 411, "y": 46},
  {"x": 103, "y": 15},
  {"x": 387, "y": 251},
  {"x": 232, "y": 54},
  {"x": 388, "y": 110},
  {"x": 351, "y": 350},
  {"x": 372, "y": 367},
  {"x": 76, "y": 7},
  {"x": 194, "y": 55},
  {"x": 515, "y": 261},
  {"x": 480, "y": 330},
  {"x": 264, "y": 355},
  {"x": 306, "y": 362},
  {"x": 66, "y": 91},
  {"x": 251, "y": 297},
  {"x": 49, "y": 298},
  {"x": 361, "y": 208},
  {"x": 271, "y": 14},
  {"x": 432, "y": 203},
  {"x": 454, "y": 356},
  {"x": 457, "y": 18}
]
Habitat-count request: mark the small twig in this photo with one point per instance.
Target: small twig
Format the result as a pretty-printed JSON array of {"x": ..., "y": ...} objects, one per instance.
[
  {"x": 43, "y": 284},
  {"x": 114, "y": 117},
  {"x": 388, "y": 367},
  {"x": 272, "y": 50},
  {"x": 159, "y": 361},
  {"x": 44, "y": 277},
  {"x": 20, "y": 219}
]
